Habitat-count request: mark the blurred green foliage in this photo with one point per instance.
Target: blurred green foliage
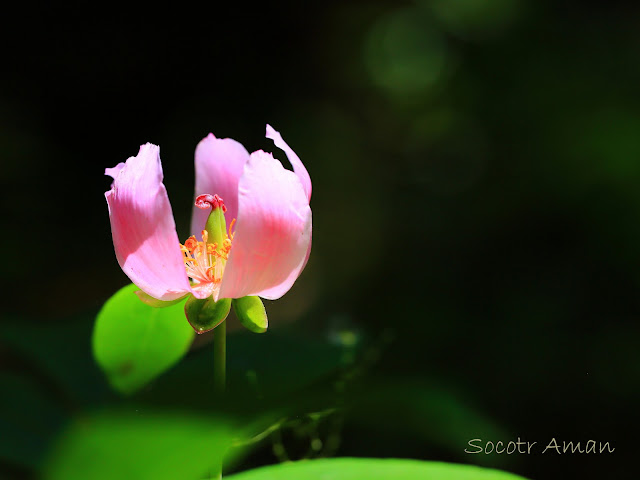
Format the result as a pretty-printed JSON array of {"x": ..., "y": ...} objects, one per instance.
[
  {"x": 145, "y": 446},
  {"x": 370, "y": 469}
]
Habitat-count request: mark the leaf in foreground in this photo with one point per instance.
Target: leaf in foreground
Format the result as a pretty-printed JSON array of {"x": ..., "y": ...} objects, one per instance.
[
  {"x": 122, "y": 445},
  {"x": 372, "y": 469}
]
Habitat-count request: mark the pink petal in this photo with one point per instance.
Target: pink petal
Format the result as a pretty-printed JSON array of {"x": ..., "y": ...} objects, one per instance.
[
  {"x": 142, "y": 226},
  {"x": 113, "y": 172},
  {"x": 298, "y": 167},
  {"x": 219, "y": 164},
  {"x": 273, "y": 231}
]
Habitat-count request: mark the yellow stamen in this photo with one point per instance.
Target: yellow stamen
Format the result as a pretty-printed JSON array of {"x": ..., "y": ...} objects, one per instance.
[
  {"x": 204, "y": 261},
  {"x": 231, "y": 234}
]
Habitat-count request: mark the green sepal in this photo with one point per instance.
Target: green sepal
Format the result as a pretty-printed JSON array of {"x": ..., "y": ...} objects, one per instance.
[
  {"x": 206, "y": 314},
  {"x": 154, "y": 302},
  {"x": 251, "y": 313}
]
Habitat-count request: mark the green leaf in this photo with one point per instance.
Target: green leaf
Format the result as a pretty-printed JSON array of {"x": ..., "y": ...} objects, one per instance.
[
  {"x": 141, "y": 446},
  {"x": 133, "y": 342},
  {"x": 206, "y": 314},
  {"x": 251, "y": 313},
  {"x": 372, "y": 469}
]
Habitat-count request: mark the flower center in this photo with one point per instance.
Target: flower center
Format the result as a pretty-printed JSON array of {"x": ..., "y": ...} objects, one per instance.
[{"x": 205, "y": 261}]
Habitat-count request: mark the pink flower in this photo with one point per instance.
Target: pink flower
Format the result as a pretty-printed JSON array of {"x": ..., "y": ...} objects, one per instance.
[{"x": 267, "y": 204}]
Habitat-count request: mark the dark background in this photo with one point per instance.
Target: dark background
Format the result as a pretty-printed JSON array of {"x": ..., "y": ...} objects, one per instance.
[{"x": 476, "y": 205}]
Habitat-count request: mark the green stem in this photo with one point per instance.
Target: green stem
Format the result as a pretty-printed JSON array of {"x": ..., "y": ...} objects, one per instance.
[
  {"x": 220, "y": 357},
  {"x": 219, "y": 373}
]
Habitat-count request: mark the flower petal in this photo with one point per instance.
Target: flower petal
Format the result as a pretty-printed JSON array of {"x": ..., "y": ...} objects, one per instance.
[
  {"x": 142, "y": 226},
  {"x": 297, "y": 164},
  {"x": 219, "y": 163},
  {"x": 273, "y": 231},
  {"x": 113, "y": 172}
]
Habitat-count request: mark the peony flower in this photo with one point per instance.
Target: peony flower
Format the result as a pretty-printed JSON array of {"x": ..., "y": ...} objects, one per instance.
[{"x": 266, "y": 207}]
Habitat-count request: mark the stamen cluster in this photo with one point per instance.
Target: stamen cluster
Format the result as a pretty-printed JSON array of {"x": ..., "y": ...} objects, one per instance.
[{"x": 205, "y": 261}]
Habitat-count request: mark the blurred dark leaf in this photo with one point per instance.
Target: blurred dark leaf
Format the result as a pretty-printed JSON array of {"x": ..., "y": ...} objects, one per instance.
[
  {"x": 428, "y": 412},
  {"x": 31, "y": 417},
  {"x": 59, "y": 353},
  {"x": 259, "y": 368},
  {"x": 47, "y": 375},
  {"x": 475, "y": 19}
]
